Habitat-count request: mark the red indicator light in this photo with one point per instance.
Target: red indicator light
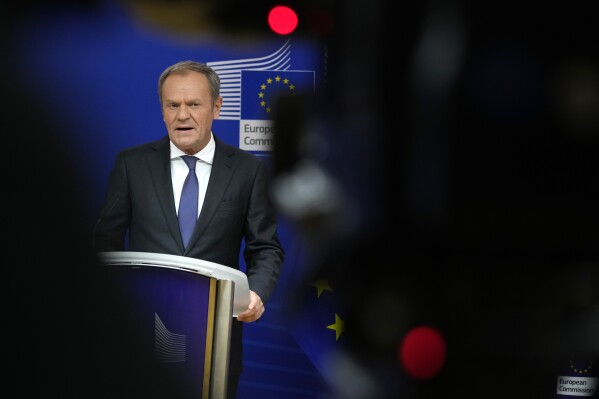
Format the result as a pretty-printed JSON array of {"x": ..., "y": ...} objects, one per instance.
[{"x": 282, "y": 20}]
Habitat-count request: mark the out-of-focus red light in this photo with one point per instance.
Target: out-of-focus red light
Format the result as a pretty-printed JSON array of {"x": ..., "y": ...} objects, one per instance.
[
  {"x": 282, "y": 20},
  {"x": 422, "y": 352}
]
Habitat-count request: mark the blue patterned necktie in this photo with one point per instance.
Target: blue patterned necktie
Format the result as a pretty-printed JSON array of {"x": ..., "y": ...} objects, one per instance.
[{"x": 188, "y": 206}]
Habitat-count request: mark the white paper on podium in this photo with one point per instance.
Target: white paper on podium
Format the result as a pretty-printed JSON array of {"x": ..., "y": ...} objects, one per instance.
[{"x": 241, "y": 295}]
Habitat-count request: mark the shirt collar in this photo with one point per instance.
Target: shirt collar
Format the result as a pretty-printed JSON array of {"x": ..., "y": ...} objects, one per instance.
[{"x": 206, "y": 154}]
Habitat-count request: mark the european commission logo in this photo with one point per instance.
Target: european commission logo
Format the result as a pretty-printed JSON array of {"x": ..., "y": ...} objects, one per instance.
[
  {"x": 579, "y": 379},
  {"x": 260, "y": 91}
]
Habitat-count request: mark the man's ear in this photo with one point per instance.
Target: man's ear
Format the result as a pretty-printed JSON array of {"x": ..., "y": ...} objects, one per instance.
[{"x": 217, "y": 106}]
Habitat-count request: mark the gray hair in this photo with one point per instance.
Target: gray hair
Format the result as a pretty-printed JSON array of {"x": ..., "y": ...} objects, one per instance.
[{"x": 183, "y": 67}]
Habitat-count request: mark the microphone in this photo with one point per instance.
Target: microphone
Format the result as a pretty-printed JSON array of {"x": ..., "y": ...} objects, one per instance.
[{"x": 107, "y": 210}]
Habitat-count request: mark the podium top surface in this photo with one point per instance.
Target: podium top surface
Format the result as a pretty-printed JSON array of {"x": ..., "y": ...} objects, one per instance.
[{"x": 241, "y": 295}]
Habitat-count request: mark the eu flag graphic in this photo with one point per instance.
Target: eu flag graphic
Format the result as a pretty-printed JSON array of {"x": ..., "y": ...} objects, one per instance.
[
  {"x": 319, "y": 327},
  {"x": 260, "y": 91}
]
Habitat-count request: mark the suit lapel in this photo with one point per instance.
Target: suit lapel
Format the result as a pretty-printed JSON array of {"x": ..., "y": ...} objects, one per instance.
[
  {"x": 159, "y": 167},
  {"x": 222, "y": 171}
]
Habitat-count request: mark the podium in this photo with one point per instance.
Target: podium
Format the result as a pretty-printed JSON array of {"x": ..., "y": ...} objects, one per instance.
[{"x": 170, "y": 323}]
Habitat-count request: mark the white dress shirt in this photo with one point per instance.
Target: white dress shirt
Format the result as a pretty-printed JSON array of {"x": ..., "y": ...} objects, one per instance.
[{"x": 179, "y": 171}]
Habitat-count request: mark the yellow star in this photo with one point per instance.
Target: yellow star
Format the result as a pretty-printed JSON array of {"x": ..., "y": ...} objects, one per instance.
[
  {"x": 278, "y": 78},
  {"x": 339, "y": 326},
  {"x": 286, "y": 81},
  {"x": 269, "y": 80},
  {"x": 260, "y": 95},
  {"x": 321, "y": 284},
  {"x": 263, "y": 86}
]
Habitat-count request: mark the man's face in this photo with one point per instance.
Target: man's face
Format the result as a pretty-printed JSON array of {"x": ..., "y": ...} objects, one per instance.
[{"x": 188, "y": 110}]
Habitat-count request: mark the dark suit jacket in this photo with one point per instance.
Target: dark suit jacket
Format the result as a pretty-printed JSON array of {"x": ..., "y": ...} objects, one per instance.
[{"x": 139, "y": 200}]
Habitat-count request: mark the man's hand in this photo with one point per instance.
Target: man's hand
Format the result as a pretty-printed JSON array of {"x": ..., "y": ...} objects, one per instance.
[{"x": 254, "y": 311}]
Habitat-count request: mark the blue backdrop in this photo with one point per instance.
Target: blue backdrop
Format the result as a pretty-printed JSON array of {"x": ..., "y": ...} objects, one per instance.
[{"x": 97, "y": 70}]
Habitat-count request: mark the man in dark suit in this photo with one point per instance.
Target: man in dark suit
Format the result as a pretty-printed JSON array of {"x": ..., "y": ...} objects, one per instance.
[{"x": 144, "y": 189}]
